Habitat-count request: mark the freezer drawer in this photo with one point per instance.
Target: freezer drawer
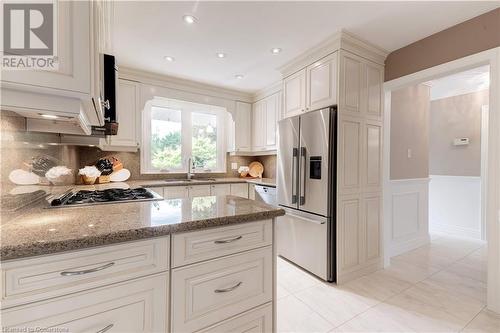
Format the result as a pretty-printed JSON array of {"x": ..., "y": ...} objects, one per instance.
[{"x": 303, "y": 239}]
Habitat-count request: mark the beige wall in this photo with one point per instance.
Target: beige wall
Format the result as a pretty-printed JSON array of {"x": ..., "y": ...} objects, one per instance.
[
  {"x": 478, "y": 34},
  {"x": 410, "y": 130},
  {"x": 455, "y": 117}
]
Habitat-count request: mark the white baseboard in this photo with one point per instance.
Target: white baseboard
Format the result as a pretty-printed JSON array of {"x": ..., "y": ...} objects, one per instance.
[
  {"x": 408, "y": 245},
  {"x": 453, "y": 230}
]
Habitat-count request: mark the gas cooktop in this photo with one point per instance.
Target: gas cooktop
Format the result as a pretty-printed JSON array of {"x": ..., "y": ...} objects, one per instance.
[{"x": 74, "y": 198}]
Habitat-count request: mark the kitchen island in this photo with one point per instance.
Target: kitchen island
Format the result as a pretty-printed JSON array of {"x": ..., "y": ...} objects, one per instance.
[{"x": 190, "y": 264}]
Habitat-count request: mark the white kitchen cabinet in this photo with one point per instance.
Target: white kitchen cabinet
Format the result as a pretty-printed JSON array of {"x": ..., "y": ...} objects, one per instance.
[
  {"x": 251, "y": 191},
  {"x": 139, "y": 305},
  {"x": 243, "y": 127},
  {"x": 321, "y": 85},
  {"x": 271, "y": 120},
  {"x": 127, "y": 96},
  {"x": 199, "y": 191},
  {"x": 294, "y": 94},
  {"x": 240, "y": 190},
  {"x": 360, "y": 91},
  {"x": 209, "y": 292},
  {"x": 264, "y": 123},
  {"x": 311, "y": 88},
  {"x": 73, "y": 90},
  {"x": 259, "y": 320},
  {"x": 220, "y": 189},
  {"x": 259, "y": 126},
  {"x": 74, "y": 53},
  {"x": 175, "y": 192}
]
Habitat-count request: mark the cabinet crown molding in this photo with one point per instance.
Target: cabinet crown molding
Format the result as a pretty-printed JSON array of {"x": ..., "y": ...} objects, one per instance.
[
  {"x": 341, "y": 40},
  {"x": 183, "y": 84}
]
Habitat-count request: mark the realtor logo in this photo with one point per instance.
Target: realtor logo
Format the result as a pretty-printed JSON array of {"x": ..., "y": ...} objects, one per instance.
[{"x": 28, "y": 36}]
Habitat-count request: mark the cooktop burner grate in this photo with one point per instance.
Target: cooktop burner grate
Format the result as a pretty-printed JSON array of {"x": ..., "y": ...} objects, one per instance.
[{"x": 112, "y": 195}]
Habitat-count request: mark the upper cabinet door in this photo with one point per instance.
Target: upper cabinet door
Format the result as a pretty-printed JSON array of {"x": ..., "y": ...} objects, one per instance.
[
  {"x": 374, "y": 79},
  {"x": 351, "y": 83},
  {"x": 294, "y": 94},
  {"x": 258, "y": 128},
  {"x": 126, "y": 113},
  {"x": 73, "y": 52},
  {"x": 243, "y": 127},
  {"x": 322, "y": 83},
  {"x": 272, "y": 110}
]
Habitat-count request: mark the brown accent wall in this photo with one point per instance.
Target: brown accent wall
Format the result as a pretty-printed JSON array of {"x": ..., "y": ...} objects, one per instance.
[
  {"x": 410, "y": 130},
  {"x": 456, "y": 117},
  {"x": 475, "y": 35}
]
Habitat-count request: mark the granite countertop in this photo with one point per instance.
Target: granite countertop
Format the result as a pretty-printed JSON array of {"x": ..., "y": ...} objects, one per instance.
[{"x": 38, "y": 230}]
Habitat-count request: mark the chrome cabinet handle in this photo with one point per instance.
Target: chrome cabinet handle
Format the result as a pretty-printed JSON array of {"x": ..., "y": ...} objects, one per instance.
[
  {"x": 225, "y": 290},
  {"x": 105, "y": 329},
  {"x": 225, "y": 241},
  {"x": 92, "y": 270}
]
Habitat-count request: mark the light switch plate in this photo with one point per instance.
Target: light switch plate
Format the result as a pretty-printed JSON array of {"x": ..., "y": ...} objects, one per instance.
[
  {"x": 409, "y": 153},
  {"x": 234, "y": 166}
]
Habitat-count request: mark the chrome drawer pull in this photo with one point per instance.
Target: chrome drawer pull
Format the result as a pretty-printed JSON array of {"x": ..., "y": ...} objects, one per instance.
[
  {"x": 105, "y": 329},
  {"x": 225, "y": 290},
  {"x": 92, "y": 270},
  {"x": 225, "y": 241}
]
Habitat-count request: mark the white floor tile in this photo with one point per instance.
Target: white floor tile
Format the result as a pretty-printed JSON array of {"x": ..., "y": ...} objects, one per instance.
[
  {"x": 295, "y": 316},
  {"x": 485, "y": 322}
]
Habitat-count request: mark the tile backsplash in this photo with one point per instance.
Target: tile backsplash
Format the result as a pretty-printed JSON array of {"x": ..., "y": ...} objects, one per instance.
[{"x": 18, "y": 147}]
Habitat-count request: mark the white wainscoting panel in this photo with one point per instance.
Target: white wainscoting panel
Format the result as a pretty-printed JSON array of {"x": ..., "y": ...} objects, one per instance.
[
  {"x": 455, "y": 205},
  {"x": 406, "y": 224}
]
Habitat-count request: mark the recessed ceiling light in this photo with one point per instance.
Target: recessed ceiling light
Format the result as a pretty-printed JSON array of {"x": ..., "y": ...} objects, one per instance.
[
  {"x": 48, "y": 116},
  {"x": 221, "y": 55},
  {"x": 189, "y": 19},
  {"x": 169, "y": 58},
  {"x": 276, "y": 50},
  {"x": 239, "y": 76}
]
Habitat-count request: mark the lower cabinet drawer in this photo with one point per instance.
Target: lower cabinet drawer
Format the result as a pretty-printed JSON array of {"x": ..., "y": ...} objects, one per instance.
[
  {"x": 212, "y": 291},
  {"x": 259, "y": 320},
  {"x": 196, "y": 246},
  {"x": 33, "y": 279},
  {"x": 136, "y": 306}
]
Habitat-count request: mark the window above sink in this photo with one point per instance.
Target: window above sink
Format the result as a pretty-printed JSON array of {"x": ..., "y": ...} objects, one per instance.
[{"x": 175, "y": 130}]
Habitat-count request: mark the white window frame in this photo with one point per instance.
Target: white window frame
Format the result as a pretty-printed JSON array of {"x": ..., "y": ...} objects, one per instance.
[{"x": 186, "y": 108}]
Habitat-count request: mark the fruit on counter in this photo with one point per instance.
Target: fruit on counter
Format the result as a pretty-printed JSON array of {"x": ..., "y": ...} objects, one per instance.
[
  {"x": 105, "y": 166},
  {"x": 23, "y": 177},
  {"x": 60, "y": 175}
]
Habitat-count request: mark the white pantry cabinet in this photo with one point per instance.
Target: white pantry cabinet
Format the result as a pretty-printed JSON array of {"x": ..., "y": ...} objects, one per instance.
[
  {"x": 311, "y": 88},
  {"x": 127, "y": 97}
]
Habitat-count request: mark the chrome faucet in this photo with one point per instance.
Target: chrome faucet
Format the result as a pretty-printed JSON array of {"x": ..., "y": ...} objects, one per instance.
[{"x": 190, "y": 172}]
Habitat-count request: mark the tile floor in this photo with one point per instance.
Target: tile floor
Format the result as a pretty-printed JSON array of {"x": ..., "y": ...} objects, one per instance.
[{"x": 440, "y": 287}]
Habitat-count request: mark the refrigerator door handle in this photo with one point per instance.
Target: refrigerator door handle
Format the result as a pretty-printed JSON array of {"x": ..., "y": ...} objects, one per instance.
[
  {"x": 295, "y": 168},
  {"x": 303, "y": 179}
]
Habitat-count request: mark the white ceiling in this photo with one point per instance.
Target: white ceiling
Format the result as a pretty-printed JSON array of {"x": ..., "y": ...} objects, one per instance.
[
  {"x": 465, "y": 82},
  {"x": 145, "y": 32}
]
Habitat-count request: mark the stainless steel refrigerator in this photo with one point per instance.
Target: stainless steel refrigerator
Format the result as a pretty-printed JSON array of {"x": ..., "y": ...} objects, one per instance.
[{"x": 306, "y": 189}]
